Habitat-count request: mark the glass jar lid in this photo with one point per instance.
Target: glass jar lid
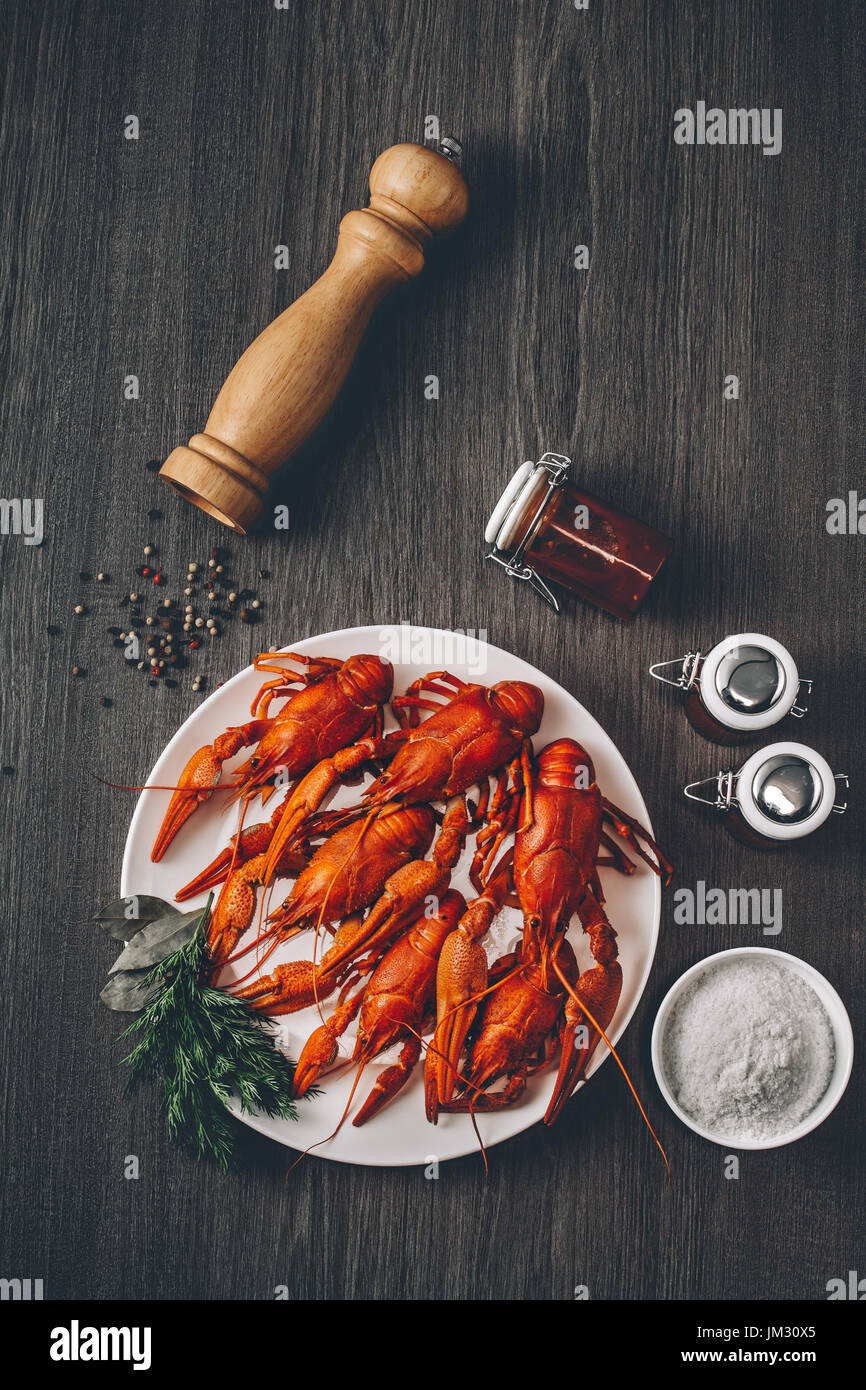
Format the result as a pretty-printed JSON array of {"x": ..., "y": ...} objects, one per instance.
[
  {"x": 514, "y": 513},
  {"x": 785, "y": 791},
  {"x": 748, "y": 681},
  {"x": 517, "y": 514},
  {"x": 787, "y": 788},
  {"x": 506, "y": 502}
]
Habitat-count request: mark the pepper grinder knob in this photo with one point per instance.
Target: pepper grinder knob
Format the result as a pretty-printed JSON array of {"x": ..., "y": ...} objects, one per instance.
[{"x": 283, "y": 385}]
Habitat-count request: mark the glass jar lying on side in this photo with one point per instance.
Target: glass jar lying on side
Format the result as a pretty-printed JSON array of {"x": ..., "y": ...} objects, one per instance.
[{"x": 544, "y": 528}]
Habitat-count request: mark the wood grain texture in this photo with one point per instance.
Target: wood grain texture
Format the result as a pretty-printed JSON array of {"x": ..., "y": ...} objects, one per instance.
[{"x": 155, "y": 257}]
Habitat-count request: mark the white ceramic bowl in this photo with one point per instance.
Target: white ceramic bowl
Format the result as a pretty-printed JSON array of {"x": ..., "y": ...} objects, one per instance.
[{"x": 839, "y": 1021}]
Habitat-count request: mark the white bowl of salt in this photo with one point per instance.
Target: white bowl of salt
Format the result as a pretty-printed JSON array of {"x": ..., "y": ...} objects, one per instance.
[{"x": 752, "y": 1048}]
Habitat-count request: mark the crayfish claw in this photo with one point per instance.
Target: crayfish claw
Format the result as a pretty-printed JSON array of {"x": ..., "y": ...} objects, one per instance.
[
  {"x": 197, "y": 781},
  {"x": 461, "y": 977},
  {"x": 391, "y": 1080},
  {"x": 320, "y": 1050},
  {"x": 600, "y": 989},
  {"x": 291, "y": 986}
]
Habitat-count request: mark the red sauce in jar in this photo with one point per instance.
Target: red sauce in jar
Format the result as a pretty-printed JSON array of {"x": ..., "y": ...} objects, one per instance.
[
  {"x": 700, "y": 719},
  {"x": 543, "y": 528},
  {"x": 600, "y": 553}
]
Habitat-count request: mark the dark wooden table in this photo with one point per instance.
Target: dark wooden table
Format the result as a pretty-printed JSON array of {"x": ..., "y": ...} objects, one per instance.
[{"x": 155, "y": 258}]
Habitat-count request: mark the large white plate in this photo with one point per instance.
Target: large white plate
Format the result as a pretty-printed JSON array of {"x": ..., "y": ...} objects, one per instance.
[{"x": 399, "y": 1135}]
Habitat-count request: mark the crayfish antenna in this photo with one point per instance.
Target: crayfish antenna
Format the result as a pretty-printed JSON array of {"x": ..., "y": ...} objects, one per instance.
[
  {"x": 340, "y": 1122},
  {"x": 615, "y": 1056},
  {"x": 480, "y": 1140}
]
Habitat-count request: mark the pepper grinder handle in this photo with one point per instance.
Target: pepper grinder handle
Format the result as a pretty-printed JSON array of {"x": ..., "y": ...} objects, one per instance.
[{"x": 281, "y": 388}]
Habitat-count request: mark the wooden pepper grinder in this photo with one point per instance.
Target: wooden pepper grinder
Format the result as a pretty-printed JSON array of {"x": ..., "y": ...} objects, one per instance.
[{"x": 279, "y": 391}]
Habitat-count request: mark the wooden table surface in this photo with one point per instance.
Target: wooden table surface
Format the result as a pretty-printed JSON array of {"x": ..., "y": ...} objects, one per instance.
[{"x": 155, "y": 258}]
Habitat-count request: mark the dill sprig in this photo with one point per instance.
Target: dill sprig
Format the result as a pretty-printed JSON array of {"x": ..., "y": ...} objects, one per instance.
[{"x": 205, "y": 1047}]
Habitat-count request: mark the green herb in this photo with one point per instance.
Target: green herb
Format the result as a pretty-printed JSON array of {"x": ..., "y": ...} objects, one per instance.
[{"x": 205, "y": 1047}]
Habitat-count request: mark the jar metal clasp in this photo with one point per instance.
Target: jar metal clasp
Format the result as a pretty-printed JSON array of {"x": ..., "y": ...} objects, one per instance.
[
  {"x": 689, "y": 665},
  {"x": 557, "y": 466},
  {"x": 801, "y": 699},
  {"x": 723, "y": 782},
  {"x": 842, "y": 779}
]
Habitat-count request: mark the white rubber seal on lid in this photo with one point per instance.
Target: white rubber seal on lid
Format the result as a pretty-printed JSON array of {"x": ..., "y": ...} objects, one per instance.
[
  {"x": 738, "y": 719},
  {"x": 522, "y": 511},
  {"x": 503, "y": 506},
  {"x": 764, "y": 824}
]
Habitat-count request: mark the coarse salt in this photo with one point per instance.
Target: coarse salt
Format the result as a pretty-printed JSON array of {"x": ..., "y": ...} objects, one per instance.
[{"x": 748, "y": 1050}]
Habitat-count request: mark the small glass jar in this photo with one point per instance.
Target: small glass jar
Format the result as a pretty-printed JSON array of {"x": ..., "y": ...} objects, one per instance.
[
  {"x": 544, "y": 528},
  {"x": 745, "y": 684},
  {"x": 783, "y": 792}
]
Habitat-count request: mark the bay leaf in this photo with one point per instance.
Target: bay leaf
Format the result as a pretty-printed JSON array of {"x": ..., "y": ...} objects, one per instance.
[
  {"x": 157, "y": 940},
  {"x": 127, "y": 993},
  {"x": 125, "y": 917}
]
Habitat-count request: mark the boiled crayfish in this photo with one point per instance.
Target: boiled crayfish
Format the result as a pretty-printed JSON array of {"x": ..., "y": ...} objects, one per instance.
[
  {"x": 337, "y": 702},
  {"x": 377, "y": 876},
  {"x": 394, "y": 1007},
  {"x": 557, "y": 851},
  {"x": 479, "y": 732}
]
